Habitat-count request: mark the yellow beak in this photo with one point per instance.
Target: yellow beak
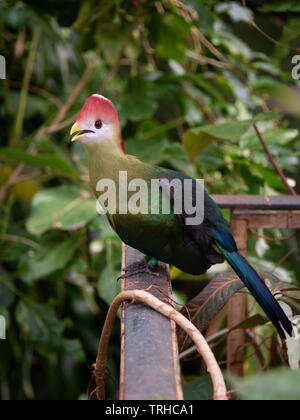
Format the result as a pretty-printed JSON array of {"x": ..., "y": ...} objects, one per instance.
[{"x": 76, "y": 129}]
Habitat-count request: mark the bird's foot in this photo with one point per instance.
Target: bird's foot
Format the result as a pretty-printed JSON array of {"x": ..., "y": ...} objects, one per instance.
[{"x": 146, "y": 265}]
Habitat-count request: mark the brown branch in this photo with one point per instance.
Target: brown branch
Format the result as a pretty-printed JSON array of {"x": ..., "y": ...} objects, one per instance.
[
  {"x": 268, "y": 239},
  {"x": 20, "y": 240},
  {"x": 273, "y": 161},
  {"x": 147, "y": 47},
  {"x": 285, "y": 352},
  {"x": 62, "y": 125},
  {"x": 203, "y": 59},
  {"x": 76, "y": 91},
  {"x": 110, "y": 75},
  {"x": 40, "y": 92},
  {"x": 159, "y": 8},
  {"x": 220, "y": 392},
  {"x": 264, "y": 33},
  {"x": 219, "y": 335},
  {"x": 284, "y": 179},
  {"x": 19, "y": 46},
  {"x": 285, "y": 257},
  {"x": 213, "y": 49},
  {"x": 189, "y": 16},
  {"x": 258, "y": 351}
]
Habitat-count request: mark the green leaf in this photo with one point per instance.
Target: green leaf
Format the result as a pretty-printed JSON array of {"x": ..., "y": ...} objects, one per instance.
[
  {"x": 195, "y": 140},
  {"x": 276, "y": 385},
  {"x": 149, "y": 151},
  {"x": 55, "y": 252},
  {"x": 198, "y": 389},
  {"x": 281, "y": 6},
  {"x": 206, "y": 305},
  {"x": 205, "y": 17},
  {"x": 290, "y": 32},
  {"x": 7, "y": 297},
  {"x": 74, "y": 347},
  {"x": 56, "y": 162},
  {"x": 211, "y": 159},
  {"x": 266, "y": 267},
  {"x": 281, "y": 137},
  {"x": 108, "y": 286},
  {"x": 112, "y": 37},
  {"x": 16, "y": 15},
  {"x": 66, "y": 208},
  {"x": 283, "y": 291},
  {"x": 251, "y": 322},
  {"x": 41, "y": 327},
  {"x": 284, "y": 95},
  {"x": 278, "y": 286},
  {"x": 175, "y": 157},
  {"x": 267, "y": 175},
  {"x": 137, "y": 105},
  {"x": 171, "y": 43}
]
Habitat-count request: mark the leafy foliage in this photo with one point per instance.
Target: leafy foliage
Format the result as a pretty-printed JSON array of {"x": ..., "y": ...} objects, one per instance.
[
  {"x": 189, "y": 78},
  {"x": 277, "y": 385},
  {"x": 198, "y": 389},
  {"x": 207, "y": 304}
]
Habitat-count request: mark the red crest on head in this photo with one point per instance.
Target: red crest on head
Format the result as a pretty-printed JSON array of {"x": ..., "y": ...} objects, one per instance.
[{"x": 98, "y": 107}]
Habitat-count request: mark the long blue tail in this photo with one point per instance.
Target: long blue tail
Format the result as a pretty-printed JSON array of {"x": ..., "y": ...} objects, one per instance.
[{"x": 259, "y": 290}]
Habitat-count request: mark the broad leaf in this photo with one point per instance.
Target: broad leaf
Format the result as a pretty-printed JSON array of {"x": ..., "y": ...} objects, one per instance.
[
  {"x": 75, "y": 347},
  {"x": 198, "y": 389},
  {"x": 108, "y": 286},
  {"x": 281, "y": 6},
  {"x": 280, "y": 137},
  {"x": 42, "y": 328},
  {"x": 56, "y": 162},
  {"x": 171, "y": 42},
  {"x": 206, "y": 18},
  {"x": 65, "y": 208},
  {"x": 278, "y": 286},
  {"x": 54, "y": 254},
  {"x": 149, "y": 151},
  {"x": 280, "y": 384},
  {"x": 138, "y": 105},
  {"x": 206, "y": 305},
  {"x": 251, "y": 322},
  {"x": 195, "y": 140},
  {"x": 285, "y": 292}
]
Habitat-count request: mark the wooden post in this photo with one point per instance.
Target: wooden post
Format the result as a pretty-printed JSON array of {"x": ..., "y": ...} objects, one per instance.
[{"x": 237, "y": 306}]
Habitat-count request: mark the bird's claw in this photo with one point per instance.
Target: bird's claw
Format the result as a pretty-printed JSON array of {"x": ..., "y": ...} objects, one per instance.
[{"x": 140, "y": 267}]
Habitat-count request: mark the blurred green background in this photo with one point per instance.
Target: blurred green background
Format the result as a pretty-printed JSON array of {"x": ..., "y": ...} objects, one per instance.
[{"x": 173, "y": 69}]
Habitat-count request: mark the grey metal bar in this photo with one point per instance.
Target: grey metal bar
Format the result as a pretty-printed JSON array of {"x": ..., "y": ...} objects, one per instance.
[
  {"x": 149, "y": 354},
  {"x": 287, "y": 202}
]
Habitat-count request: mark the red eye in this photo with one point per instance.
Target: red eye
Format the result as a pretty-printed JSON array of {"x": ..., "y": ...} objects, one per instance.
[{"x": 98, "y": 124}]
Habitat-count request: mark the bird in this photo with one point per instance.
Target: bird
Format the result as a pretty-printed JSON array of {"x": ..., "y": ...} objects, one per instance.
[{"x": 163, "y": 236}]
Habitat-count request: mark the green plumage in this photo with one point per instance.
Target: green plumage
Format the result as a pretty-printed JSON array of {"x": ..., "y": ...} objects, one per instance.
[
  {"x": 163, "y": 236},
  {"x": 193, "y": 249}
]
